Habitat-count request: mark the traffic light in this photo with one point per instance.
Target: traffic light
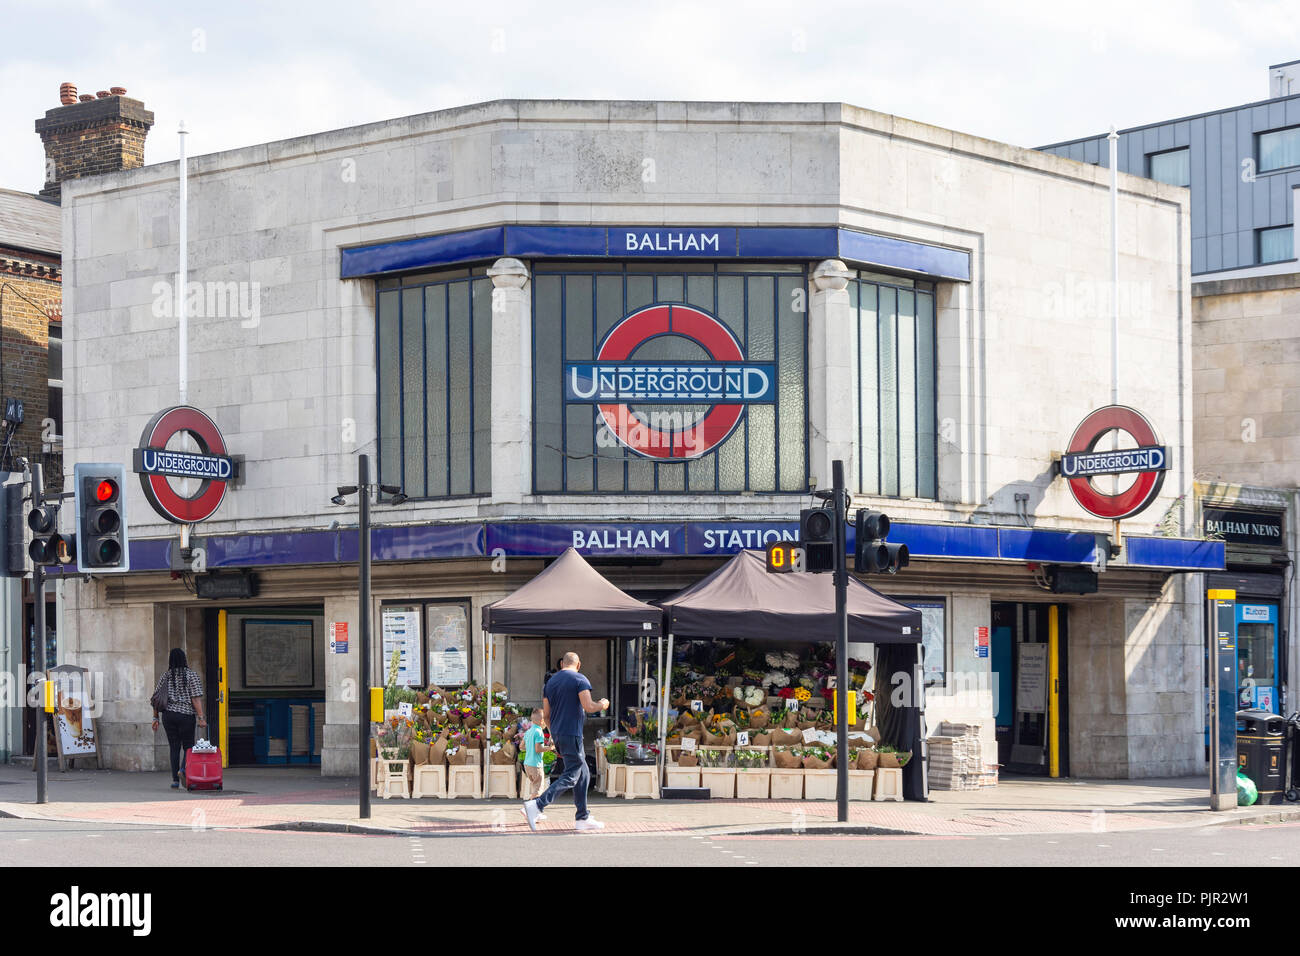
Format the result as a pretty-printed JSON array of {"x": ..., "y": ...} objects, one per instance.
[
  {"x": 46, "y": 547},
  {"x": 102, "y": 541},
  {"x": 817, "y": 538},
  {"x": 872, "y": 553},
  {"x": 14, "y": 563}
]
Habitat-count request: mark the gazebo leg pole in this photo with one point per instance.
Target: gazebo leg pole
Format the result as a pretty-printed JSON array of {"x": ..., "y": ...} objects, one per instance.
[
  {"x": 486, "y": 752},
  {"x": 659, "y": 708},
  {"x": 665, "y": 692}
]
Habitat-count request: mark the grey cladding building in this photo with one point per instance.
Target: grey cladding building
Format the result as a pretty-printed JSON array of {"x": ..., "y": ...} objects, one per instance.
[{"x": 1241, "y": 165}]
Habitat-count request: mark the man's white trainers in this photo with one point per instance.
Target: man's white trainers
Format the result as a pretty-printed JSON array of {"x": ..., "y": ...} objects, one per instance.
[
  {"x": 531, "y": 814},
  {"x": 588, "y": 824}
]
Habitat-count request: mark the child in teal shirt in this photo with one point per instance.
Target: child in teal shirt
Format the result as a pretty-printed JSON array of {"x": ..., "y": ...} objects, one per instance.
[{"x": 534, "y": 745}]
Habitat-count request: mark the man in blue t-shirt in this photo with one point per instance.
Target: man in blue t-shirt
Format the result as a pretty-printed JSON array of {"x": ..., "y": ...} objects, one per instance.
[{"x": 566, "y": 702}]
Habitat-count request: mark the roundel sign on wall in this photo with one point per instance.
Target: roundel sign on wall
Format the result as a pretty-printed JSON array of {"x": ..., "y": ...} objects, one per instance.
[
  {"x": 645, "y": 401},
  {"x": 1082, "y": 462},
  {"x": 155, "y": 464}
]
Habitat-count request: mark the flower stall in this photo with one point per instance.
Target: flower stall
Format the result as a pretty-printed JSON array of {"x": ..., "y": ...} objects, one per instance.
[
  {"x": 752, "y": 652},
  {"x": 569, "y": 598}
]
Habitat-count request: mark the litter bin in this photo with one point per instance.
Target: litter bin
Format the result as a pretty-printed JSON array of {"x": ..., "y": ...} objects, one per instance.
[{"x": 1261, "y": 752}]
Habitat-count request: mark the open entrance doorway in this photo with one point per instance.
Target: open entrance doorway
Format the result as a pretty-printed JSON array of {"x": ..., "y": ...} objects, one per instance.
[
  {"x": 265, "y": 683},
  {"x": 1030, "y": 666}
]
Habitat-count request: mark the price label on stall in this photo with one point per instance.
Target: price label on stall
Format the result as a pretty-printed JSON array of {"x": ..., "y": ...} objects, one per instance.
[
  {"x": 811, "y": 736},
  {"x": 742, "y": 738},
  {"x": 688, "y": 743},
  {"x": 495, "y": 714},
  {"x": 404, "y": 710},
  {"x": 697, "y": 706},
  {"x": 792, "y": 705}
]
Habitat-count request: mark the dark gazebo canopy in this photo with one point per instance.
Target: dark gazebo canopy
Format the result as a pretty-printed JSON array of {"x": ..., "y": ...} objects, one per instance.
[
  {"x": 742, "y": 600},
  {"x": 570, "y": 598}
]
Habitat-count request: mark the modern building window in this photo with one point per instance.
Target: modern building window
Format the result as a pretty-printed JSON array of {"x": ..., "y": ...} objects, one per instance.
[
  {"x": 1173, "y": 167},
  {"x": 751, "y": 316},
  {"x": 896, "y": 373},
  {"x": 1277, "y": 244},
  {"x": 434, "y": 359},
  {"x": 55, "y": 396},
  {"x": 1279, "y": 149}
]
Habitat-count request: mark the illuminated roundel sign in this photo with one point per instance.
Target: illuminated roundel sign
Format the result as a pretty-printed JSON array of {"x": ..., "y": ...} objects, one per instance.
[
  {"x": 1082, "y": 462},
  {"x": 155, "y": 463},
  {"x": 721, "y": 379}
]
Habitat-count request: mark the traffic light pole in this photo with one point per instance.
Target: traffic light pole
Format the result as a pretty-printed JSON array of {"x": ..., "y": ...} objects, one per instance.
[
  {"x": 38, "y": 609},
  {"x": 841, "y": 641}
]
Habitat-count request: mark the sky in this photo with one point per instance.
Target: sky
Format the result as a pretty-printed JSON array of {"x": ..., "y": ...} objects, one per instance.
[{"x": 240, "y": 73}]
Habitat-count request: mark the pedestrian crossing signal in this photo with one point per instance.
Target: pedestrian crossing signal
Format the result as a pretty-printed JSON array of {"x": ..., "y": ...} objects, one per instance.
[{"x": 784, "y": 557}]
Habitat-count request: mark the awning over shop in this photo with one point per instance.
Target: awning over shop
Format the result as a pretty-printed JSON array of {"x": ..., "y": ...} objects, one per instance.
[
  {"x": 742, "y": 600},
  {"x": 571, "y": 599}
]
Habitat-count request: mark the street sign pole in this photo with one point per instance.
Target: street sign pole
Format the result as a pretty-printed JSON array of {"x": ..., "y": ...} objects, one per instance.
[{"x": 841, "y": 641}]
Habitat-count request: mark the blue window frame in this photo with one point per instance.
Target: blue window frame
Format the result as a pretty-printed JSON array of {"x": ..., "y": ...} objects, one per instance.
[
  {"x": 1276, "y": 244},
  {"x": 1173, "y": 166},
  {"x": 574, "y": 307},
  {"x": 897, "y": 386},
  {"x": 1279, "y": 149},
  {"x": 433, "y": 347}
]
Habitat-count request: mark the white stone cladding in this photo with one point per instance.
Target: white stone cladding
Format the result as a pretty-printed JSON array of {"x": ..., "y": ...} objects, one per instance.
[{"x": 1023, "y": 349}]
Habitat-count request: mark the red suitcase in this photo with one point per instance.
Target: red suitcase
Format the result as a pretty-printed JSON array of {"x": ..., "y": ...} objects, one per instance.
[{"x": 202, "y": 769}]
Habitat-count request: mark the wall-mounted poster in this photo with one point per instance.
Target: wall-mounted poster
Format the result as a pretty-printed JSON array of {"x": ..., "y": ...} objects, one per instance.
[
  {"x": 448, "y": 644},
  {"x": 277, "y": 652},
  {"x": 932, "y": 639},
  {"x": 1031, "y": 679},
  {"x": 401, "y": 630}
]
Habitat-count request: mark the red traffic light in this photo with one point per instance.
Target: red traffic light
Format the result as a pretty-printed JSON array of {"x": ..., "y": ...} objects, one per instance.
[{"x": 106, "y": 490}]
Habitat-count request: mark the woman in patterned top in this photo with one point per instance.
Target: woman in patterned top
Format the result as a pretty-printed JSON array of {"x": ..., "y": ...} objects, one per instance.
[{"x": 184, "y": 703}]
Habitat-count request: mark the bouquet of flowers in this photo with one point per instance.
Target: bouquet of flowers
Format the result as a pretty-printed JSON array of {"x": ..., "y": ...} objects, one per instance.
[
  {"x": 714, "y": 758},
  {"x": 394, "y": 738},
  {"x": 751, "y": 759},
  {"x": 817, "y": 758}
]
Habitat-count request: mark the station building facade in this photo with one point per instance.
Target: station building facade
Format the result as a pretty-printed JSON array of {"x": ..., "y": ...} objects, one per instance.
[{"x": 644, "y": 330}]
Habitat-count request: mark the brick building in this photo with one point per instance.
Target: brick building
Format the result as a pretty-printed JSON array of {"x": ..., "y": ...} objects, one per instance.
[
  {"x": 101, "y": 134},
  {"x": 31, "y": 306}
]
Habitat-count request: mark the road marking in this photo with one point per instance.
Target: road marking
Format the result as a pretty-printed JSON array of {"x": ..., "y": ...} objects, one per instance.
[
  {"x": 751, "y": 863},
  {"x": 1224, "y": 854},
  {"x": 1104, "y": 846},
  {"x": 1053, "y": 842},
  {"x": 1157, "y": 849}
]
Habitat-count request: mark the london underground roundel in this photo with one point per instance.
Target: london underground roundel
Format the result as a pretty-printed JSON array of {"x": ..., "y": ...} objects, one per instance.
[
  {"x": 1082, "y": 462},
  {"x": 155, "y": 463},
  {"x": 722, "y": 379}
]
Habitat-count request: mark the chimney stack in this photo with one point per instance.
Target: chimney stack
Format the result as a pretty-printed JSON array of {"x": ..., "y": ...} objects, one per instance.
[{"x": 101, "y": 134}]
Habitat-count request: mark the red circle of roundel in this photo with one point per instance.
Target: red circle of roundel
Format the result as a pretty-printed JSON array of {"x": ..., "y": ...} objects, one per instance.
[
  {"x": 166, "y": 501},
  {"x": 714, "y": 337},
  {"x": 1147, "y": 486}
]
